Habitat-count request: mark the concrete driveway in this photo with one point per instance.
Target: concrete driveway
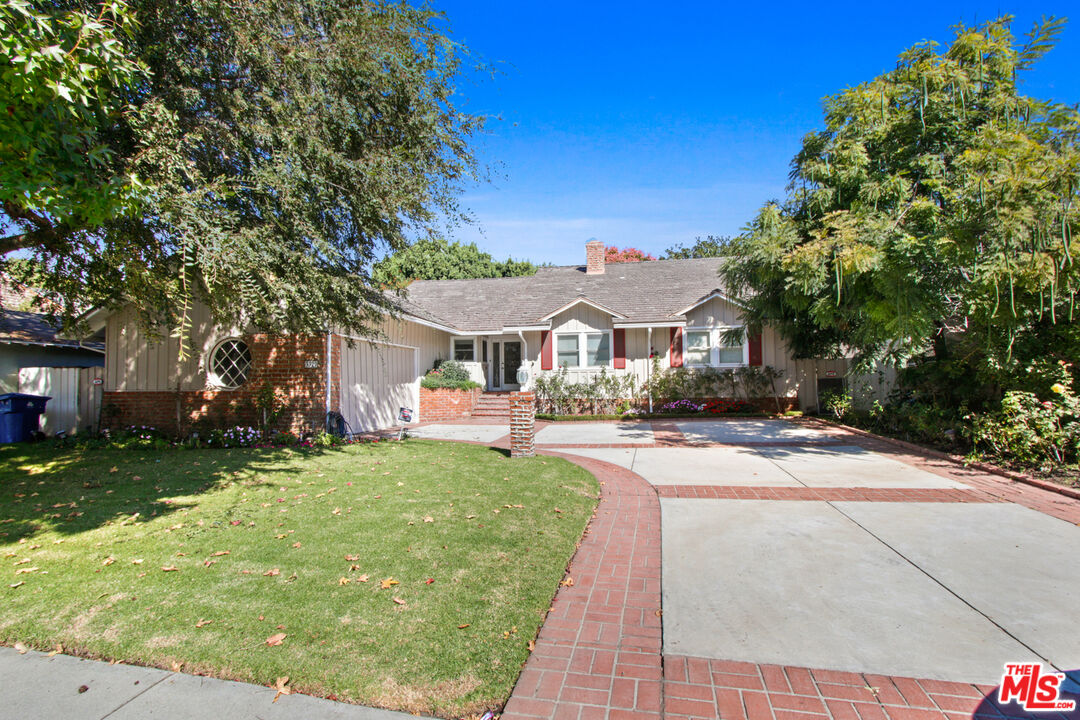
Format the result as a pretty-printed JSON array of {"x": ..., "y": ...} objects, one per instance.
[{"x": 948, "y": 590}]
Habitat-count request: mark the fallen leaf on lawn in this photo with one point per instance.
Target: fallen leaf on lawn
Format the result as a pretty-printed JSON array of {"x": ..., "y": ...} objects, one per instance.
[
  {"x": 203, "y": 623},
  {"x": 343, "y": 581},
  {"x": 296, "y": 544},
  {"x": 180, "y": 554},
  {"x": 496, "y": 511},
  {"x": 21, "y": 648},
  {"x": 532, "y": 645},
  {"x": 469, "y": 517},
  {"x": 58, "y": 649},
  {"x": 429, "y": 519},
  {"x": 567, "y": 582},
  {"x": 290, "y": 578},
  {"x": 513, "y": 506},
  {"x": 22, "y": 562},
  {"x": 282, "y": 536},
  {"x": 398, "y": 601},
  {"x": 261, "y": 618},
  {"x": 352, "y": 558},
  {"x": 335, "y": 511},
  {"x": 280, "y": 627},
  {"x": 177, "y": 666},
  {"x": 353, "y": 568},
  {"x": 136, "y": 561},
  {"x": 272, "y": 572},
  {"x": 389, "y": 583},
  {"x": 282, "y": 688},
  {"x": 15, "y": 585},
  {"x": 219, "y": 553},
  {"x": 462, "y": 627},
  {"x": 429, "y": 581},
  {"x": 276, "y": 639},
  {"x": 114, "y": 469},
  {"x": 170, "y": 568},
  {"x": 363, "y": 578},
  {"x": 558, "y": 510},
  {"x": 23, "y": 571},
  {"x": 208, "y": 563}
]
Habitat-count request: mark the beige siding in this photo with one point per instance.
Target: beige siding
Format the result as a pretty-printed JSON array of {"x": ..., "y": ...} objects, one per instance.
[
  {"x": 136, "y": 360},
  {"x": 715, "y": 313}
]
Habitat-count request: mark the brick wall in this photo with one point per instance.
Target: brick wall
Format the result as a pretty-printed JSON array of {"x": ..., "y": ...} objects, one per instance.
[
  {"x": 277, "y": 360},
  {"x": 447, "y": 403},
  {"x": 522, "y": 424}
]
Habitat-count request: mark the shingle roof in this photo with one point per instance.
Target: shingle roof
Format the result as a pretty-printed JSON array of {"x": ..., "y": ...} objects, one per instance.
[
  {"x": 27, "y": 328},
  {"x": 644, "y": 292}
]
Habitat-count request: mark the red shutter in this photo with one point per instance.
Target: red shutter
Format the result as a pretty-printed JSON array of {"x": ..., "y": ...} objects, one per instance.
[
  {"x": 545, "y": 350},
  {"x": 755, "y": 349},
  {"x": 676, "y": 347},
  {"x": 620, "y": 348}
]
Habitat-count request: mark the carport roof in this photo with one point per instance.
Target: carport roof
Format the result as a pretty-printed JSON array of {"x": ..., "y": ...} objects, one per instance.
[{"x": 657, "y": 291}]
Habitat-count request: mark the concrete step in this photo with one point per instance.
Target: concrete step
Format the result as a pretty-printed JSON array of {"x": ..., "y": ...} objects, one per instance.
[{"x": 490, "y": 413}]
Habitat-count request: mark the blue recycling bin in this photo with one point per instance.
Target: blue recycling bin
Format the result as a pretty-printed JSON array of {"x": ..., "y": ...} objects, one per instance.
[{"x": 20, "y": 415}]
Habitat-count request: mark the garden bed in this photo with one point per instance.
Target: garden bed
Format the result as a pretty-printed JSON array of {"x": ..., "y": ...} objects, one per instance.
[{"x": 409, "y": 575}]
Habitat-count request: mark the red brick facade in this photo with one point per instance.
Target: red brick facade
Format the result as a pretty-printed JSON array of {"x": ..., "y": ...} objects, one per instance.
[
  {"x": 447, "y": 403},
  {"x": 294, "y": 365}
]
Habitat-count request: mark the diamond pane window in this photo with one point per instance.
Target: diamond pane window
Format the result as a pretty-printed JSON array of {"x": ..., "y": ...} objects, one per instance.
[{"x": 231, "y": 362}]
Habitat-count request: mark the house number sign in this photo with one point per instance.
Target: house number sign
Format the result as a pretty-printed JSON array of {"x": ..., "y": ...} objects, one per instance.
[{"x": 311, "y": 364}]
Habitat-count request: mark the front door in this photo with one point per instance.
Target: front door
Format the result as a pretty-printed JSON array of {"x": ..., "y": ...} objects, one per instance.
[
  {"x": 505, "y": 361},
  {"x": 511, "y": 362}
]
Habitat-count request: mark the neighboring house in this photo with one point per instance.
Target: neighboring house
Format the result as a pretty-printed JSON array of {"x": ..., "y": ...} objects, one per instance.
[
  {"x": 583, "y": 318},
  {"x": 35, "y": 359}
]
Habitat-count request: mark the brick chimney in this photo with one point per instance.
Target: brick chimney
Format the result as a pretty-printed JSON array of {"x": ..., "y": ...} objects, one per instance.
[{"x": 594, "y": 257}]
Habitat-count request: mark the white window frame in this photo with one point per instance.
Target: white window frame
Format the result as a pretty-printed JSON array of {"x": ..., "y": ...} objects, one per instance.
[
  {"x": 583, "y": 351},
  {"x": 453, "y": 351},
  {"x": 716, "y": 333},
  {"x": 212, "y": 377}
]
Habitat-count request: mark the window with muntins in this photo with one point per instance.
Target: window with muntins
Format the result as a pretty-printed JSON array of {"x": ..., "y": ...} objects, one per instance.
[
  {"x": 230, "y": 363},
  {"x": 567, "y": 346},
  {"x": 464, "y": 350}
]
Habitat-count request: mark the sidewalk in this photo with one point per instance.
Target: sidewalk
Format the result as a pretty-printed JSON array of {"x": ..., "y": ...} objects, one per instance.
[{"x": 34, "y": 686}]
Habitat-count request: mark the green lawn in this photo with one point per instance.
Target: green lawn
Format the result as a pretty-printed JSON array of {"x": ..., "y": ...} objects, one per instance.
[{"x": 278, "y": 541}]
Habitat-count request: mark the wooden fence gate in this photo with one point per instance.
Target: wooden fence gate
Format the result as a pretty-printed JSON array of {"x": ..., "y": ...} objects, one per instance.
[{"x": 76, "y": 397}]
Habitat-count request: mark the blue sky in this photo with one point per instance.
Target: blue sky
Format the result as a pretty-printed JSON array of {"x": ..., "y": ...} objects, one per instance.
[{"x": 649, "y": 124}]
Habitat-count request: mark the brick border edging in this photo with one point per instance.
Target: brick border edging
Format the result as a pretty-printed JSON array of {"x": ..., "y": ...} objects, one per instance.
[
  {"x": 599, "y": 652},
  {"x": 955, "y": 459}
]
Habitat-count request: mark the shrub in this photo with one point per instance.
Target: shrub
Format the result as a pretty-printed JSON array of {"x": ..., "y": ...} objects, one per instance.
[
  {"x": 681, "y": 407},
  {"x": 1031, "y": 430},
  {"x": 239, "y": 436},
  {"x": 432, "y": 381},
  {"x": 451, "y": 370},
  {"x": 727, "y": 406}
]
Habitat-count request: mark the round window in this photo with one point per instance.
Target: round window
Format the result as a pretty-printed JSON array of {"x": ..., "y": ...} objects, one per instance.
[{"x": 230, "y": 363}]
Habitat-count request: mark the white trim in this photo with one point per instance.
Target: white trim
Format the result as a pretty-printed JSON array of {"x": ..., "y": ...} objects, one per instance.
[
  {"x": 510, "y": 329},
  {"x": 649, "y": 325},
  {"x": 583, "y": 345},
  {"x": 715, "y": 332},
  {"x": 711, "y": 296},
  {"x": 428, "y": 323},
  {"x": 582, "y": 299}
]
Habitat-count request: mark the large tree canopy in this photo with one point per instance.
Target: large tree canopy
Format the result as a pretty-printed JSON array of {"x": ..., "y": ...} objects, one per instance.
[
  {"x": 437, "y": 259},
  {"x": 280, "y": 148},
  {"x": 938, "y": 203},
  {"x": 703, "y": 247}
]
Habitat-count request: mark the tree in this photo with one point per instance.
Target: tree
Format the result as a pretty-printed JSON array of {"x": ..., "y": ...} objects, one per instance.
[
  {"x": 934, "y": 212},
  {"x": 281, "y": 147},
  {"x": 65, "y": 84},
  {"x": 437, "y": 259},
  {"x": 613, "y": 254},
  {"x": 703, "y": 247}
]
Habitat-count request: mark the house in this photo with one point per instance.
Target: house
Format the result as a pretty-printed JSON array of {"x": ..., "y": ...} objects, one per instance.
[
  {"x": 36, "y": 359},
  {"x": 583, "y": 318}
]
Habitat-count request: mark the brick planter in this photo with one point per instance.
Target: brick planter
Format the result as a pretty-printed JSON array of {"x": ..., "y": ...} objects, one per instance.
[{"x": 447, "y": 403}]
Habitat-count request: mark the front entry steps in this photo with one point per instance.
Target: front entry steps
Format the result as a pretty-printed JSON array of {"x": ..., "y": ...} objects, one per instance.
[{"x": 493, "y": 404}]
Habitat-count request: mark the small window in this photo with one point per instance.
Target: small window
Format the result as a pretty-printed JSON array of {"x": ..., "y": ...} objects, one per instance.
[
  {"x": 568, "y": 350},
  {"x": 730, "y": 354},
  {"x": 698, "y": 348},
  {"x": 230, "y": 363},
  {"x": 463, "y": 350},
  {"x": 597, "y": 349}
]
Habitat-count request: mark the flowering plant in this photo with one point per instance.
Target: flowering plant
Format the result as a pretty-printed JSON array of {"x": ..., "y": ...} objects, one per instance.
[{"x": 681, "y": 406}]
